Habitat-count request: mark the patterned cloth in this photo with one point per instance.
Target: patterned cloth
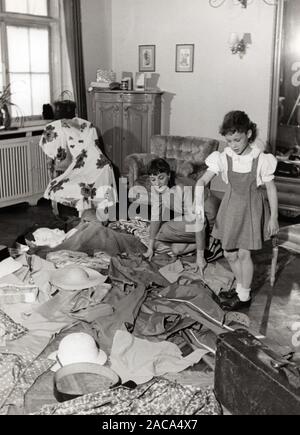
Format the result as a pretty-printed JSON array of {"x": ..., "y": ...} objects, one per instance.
[
  {"x": 139, "y": 228},
  {"x": 90, "y": 176},
  {"x": 17, "y": 374},
  {"x": 159, "y": 397},
  {"x": 100, "y": 261},
  {"x": 10, "y": 330}
]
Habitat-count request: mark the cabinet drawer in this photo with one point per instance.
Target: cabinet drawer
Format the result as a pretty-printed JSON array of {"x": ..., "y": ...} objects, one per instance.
[
  {"x": 125, "y": 97},
  {"x": 108, "y": 97},
  {"x": 136, "y": 98}
]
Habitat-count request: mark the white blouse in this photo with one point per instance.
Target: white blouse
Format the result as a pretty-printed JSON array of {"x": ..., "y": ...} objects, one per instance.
[{"x": 267, "y": 163}]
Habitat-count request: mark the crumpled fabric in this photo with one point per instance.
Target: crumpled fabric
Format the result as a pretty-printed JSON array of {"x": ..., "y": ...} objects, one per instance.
[
  {"x": 137, "y": 270},
  {"x": 172, "y": 271},
  {"x": 194, "y": 301},
  {"x": 67, "y": 305},
  {"x": 93, "y": 236},
  {"x": 132, "y": 277},
  {"x": 216, "y": 277},
  {"x": 158, "y": 397},
  {"x": 126, "y": 306},
  {"x": 134, "y": 359}
]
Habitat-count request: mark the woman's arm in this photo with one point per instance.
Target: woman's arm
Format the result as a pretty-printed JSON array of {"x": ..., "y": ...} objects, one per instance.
[{"x": 273, "y": 201}]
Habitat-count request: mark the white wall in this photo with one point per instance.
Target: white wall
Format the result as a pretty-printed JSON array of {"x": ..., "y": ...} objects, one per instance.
[{"x": 221, "y": 81}]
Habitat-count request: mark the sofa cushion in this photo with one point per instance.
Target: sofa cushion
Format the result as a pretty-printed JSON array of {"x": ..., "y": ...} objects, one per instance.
[{"x": 185, "y": 148}]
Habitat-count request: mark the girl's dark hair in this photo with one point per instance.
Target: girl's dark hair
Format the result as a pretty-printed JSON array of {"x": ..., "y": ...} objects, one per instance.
[
  {"x": 158, "y": 166},
  {"x": 238, "y": 121}
]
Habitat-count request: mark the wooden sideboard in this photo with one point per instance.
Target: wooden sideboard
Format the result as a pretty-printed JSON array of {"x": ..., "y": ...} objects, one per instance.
[
  {"x": 126, "y": 120},
  {"x": 23, "y": 167},
  {"x": 289, "y": 195}
]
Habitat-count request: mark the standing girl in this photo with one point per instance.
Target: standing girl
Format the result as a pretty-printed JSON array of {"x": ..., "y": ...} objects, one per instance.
[{"x": 244, "y": 220}]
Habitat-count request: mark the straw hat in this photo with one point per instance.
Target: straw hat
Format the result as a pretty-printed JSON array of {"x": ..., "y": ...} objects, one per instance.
[
  {"x": 78, "y": 348},
  {"x": 76, "y": 278}
]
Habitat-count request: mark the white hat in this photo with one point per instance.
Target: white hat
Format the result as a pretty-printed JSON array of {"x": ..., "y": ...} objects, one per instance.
[
  {"x": 76, "y": 278},
  {"x": 77, "y": 348}
]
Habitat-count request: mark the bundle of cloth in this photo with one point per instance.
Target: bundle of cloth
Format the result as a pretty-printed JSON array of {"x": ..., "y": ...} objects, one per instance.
[{"x": 93, "y": 237}]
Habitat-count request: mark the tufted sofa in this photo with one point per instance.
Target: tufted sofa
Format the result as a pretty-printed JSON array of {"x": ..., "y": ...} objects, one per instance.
[{"x": 186, "y": 156}]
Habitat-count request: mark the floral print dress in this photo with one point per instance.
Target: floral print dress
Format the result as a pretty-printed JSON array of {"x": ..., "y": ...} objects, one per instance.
[{"x": 89, "y": 179}]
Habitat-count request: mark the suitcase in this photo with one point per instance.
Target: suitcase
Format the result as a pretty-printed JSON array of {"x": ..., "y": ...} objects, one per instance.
[{"x": 250, "y": 379}]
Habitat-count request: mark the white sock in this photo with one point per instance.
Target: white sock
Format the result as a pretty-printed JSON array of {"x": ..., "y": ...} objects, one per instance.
[
  {"x": 238, "y": 287},
  {"x": 243, "y": 294}
]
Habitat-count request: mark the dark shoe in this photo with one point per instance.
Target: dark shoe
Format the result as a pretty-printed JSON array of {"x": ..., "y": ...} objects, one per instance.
[
  {"x": 235, "y": 304},
  {"x": 214, "y": 252},
  {"x": 225, "y": 295}
]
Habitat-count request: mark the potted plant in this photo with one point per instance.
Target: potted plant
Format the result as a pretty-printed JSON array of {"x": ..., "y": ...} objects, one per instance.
[{"x": 5, "y": 102}]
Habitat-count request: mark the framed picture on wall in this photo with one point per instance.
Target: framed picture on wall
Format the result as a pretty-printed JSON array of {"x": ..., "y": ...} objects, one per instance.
[
  {"x": 185, "y": 57},
  {"x": 147, "y": 58}
]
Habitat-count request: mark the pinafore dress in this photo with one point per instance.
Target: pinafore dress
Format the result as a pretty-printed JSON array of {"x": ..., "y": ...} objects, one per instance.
[{"x": 242, "y": 221}]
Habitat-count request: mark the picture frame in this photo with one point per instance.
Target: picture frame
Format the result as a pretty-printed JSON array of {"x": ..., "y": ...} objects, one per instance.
[
  {"x": 185, "y": 54},
  {"x": 147, "y": 58}
]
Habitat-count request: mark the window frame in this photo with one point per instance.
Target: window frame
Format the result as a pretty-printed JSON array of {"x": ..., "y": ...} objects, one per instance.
[{"x": 52, "y": 22}]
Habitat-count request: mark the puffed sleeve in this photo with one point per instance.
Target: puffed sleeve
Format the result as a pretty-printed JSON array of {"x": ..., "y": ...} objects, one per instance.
[
  {"x": 268, "y": 167},
  {"x": 214, "y": 162}
]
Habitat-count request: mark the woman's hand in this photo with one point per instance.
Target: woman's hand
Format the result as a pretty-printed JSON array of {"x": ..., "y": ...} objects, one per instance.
[
  {"x": 149, "y": 254},
  {"x": 273, "y": 227}
]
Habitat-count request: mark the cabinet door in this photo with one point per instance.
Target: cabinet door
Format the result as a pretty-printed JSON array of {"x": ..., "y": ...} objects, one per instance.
[
  {"x": 108, "y": 119},
  {"x": 137, "y": 128}
]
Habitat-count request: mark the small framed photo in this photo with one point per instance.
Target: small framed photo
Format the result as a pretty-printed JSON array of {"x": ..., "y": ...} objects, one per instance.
[
  {"x": 185, "y": 57},
  {"x": 147, "y": 58}
]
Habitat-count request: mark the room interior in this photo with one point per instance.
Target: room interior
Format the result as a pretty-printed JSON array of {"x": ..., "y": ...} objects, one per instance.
[{"x": 242, "y": 60}]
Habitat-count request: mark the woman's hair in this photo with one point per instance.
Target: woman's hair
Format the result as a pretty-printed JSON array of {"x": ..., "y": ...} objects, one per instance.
[
  {"x": 158, "y": 166},
  {"x": 238, "y": 121}
]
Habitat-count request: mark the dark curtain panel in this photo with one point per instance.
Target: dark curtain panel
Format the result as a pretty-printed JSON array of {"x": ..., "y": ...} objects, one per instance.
[{"x": 74, "y": 41}]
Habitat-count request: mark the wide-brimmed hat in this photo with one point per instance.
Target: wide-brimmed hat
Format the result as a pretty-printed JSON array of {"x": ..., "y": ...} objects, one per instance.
[
  {"x": 76, "y": 278},
  {"x": 77, "y": 348}
]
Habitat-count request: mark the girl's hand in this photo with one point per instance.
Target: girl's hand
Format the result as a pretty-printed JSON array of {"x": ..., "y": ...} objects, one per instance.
[
  {"x": 149, "y": 254},
  {"x": 273, "y": 227},
  {"x": 200, "y": 265}
]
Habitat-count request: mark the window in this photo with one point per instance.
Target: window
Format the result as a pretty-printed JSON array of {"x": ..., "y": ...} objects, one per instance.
[
  {"x": 30, "y": 54},
  {"x": 31, "y": 7}
]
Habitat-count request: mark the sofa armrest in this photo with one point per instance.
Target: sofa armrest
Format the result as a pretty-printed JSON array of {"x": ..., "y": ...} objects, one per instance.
[{"x": 136, "y": 165}]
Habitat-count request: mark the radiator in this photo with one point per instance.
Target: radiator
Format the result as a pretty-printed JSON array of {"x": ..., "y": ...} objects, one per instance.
[
  {"x": 23, "y": 170},
  {"x": 14, "y": 164}
]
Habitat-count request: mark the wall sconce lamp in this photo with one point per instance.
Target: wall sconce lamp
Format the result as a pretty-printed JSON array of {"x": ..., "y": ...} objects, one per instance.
[
  {"x": 238, "y": 44},
  {"x": 243, "y": 3}
]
